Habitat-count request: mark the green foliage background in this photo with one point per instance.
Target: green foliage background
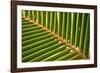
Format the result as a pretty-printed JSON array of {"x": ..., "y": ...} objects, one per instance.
[{"x": 39, "y": 44}]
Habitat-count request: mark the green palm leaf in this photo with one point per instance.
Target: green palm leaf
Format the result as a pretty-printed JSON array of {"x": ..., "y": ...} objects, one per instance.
[{"x": 54, "y": 36}]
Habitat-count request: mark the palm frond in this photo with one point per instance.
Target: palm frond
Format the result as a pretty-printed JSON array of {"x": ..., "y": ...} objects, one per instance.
[{"x": 54, "y": 36}]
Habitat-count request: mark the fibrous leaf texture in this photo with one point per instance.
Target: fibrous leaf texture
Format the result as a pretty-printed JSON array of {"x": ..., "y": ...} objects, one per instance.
[{"x": 55, "y": 36}]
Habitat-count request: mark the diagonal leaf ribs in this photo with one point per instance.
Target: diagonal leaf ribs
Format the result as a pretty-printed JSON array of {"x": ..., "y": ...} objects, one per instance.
[{"x": 54, "y": 36}]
